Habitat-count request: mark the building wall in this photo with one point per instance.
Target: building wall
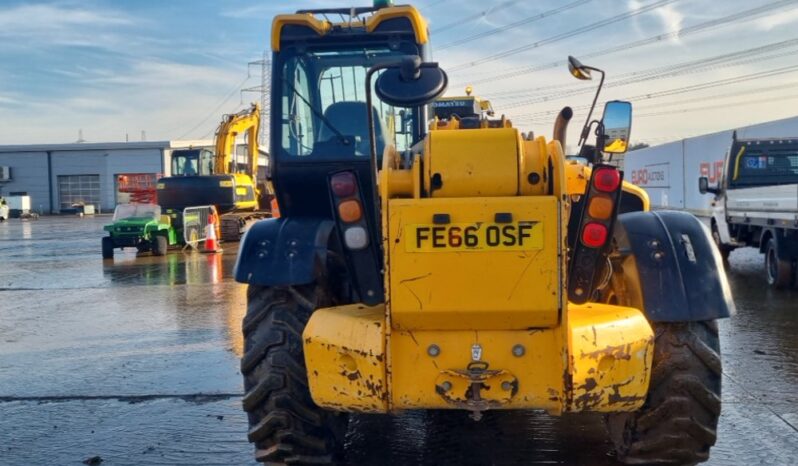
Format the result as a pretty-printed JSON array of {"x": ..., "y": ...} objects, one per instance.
[
  {"x": 105, "y": 163},
  {"x": 29, "y": 174},
  {"x": 29, "y": 170},
  {"x": 670, "y": 172}
]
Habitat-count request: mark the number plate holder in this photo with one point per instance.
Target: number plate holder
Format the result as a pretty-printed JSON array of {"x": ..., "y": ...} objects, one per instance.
[{"x": 474, "y": 237}]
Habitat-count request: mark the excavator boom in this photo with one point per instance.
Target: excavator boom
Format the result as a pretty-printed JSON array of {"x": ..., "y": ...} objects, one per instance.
[{"x": 232, "y": 125}]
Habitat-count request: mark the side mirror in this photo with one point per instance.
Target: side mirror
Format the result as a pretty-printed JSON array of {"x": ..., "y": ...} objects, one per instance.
[
  {"x": 411, "y": 83},
  {"x": 617, "y": 124},
  {"x": 703, "y": 185},
  {"x": 578, "y": 70}
]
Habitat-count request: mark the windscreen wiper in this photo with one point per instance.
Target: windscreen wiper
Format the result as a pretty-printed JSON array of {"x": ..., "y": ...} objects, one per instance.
[{"x": 320, "y": 116}]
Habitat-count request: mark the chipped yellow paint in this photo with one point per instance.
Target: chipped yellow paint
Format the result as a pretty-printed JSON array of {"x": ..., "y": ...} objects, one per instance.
[
  {"x": 598, "y": 361},
  {"x": 345, "y": 357},
  {"x": 611, "y": 349},
  {"x": 420, "y": 346}
]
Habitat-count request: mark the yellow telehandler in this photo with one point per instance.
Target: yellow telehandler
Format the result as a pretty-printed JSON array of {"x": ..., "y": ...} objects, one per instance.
[{"x": 428, "y": 263}]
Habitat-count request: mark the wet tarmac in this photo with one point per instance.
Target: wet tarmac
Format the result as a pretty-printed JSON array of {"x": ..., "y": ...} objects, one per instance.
[{"x": 135, "y": 361}]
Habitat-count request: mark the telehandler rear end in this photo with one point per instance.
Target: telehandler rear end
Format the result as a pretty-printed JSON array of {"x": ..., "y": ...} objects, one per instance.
[{"x": 452, "y": 264}]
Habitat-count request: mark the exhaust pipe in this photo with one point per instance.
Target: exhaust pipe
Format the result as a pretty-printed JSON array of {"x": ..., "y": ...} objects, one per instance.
[{"x": 561, "y": 125}]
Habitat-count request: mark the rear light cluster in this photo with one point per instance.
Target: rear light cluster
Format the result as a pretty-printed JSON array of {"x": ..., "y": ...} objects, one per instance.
[
  {"x": 349, "y": 208},
  {"x": 595, "y": 229}
]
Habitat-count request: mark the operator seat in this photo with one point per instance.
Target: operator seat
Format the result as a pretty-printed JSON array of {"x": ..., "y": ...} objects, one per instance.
[{"x": 350, "y": 119}]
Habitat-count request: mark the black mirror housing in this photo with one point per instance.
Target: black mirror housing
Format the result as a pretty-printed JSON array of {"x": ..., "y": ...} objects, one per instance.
[
  {"x": 704, "y": 188},
  {"x": 411, "y": 83},
  {"x": 616, "y": 127}
]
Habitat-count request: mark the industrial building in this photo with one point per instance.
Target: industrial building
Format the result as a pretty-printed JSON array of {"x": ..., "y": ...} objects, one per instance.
[
  {"x": 58, "y": 177},
  {"x": 669, "y": 172}
]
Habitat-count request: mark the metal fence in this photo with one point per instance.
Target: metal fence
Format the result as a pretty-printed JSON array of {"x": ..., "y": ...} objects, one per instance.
[{"x": 195, "y": 224}]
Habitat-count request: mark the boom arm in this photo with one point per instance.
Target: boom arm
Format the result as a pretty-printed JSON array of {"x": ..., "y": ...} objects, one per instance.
[{"x": 232, "y": 125}]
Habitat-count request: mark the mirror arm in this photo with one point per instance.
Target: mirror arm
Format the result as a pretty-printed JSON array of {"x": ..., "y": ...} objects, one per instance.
[{"x": 586, "y": 129}]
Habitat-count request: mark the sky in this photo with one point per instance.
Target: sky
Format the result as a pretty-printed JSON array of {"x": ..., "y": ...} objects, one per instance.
[{"x": 111, "y": 69}]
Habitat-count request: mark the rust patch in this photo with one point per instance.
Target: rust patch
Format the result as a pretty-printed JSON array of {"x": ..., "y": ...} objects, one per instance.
[
  {"x": 589, "y": 385},
  {"x": 352, "y": 375},
  {"x": 618, "y": 352}
]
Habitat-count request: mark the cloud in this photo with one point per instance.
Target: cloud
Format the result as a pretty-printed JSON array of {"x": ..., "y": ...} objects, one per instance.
[
  {"x": 671, "y": 18},
  {"x": 269, "y": 9},
  {"x": 161, "y": 74},
  {"x": 58, "y": 24},
  {"x": 776, "y": 20}
]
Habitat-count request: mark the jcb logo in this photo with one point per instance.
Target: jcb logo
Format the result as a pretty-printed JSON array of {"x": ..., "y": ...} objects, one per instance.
[{"x": 712, "y": 170}]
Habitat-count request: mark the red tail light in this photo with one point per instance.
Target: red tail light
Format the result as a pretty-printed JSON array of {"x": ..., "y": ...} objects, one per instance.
[
  {"x": 606, "y": 179},
  {"x": 594, "y": 235},
  {"x": 343, "y": 184}
]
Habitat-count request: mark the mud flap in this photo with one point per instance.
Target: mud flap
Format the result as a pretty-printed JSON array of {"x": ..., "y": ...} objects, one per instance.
[
  {"x": 678, "y": 270},
  {"x": 283, "y": 251}
]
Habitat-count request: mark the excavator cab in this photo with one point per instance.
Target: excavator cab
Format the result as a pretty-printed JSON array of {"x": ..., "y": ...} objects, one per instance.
[{"x": 192, "y": 162}]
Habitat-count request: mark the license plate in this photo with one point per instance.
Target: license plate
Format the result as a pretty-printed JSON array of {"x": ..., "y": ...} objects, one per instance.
[{"x": 478, "y": 236}]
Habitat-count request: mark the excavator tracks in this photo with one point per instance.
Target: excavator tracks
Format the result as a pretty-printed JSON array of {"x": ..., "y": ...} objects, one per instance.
[{"x": 234, "y": 224}]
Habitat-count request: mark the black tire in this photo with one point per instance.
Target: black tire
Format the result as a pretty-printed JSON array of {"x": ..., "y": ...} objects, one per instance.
[
  {"x": 779, "y": 271},
  {"x": 160, "y": 245},
  {"x": 108, "y": 247},
  {"x": 678, "y": 422},
  {"x": 724, "y": 249},
  {"x": 285, "y": 424}
]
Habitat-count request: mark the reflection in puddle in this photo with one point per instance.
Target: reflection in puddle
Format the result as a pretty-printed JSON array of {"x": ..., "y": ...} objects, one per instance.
[{"x": 176, "y": 268}]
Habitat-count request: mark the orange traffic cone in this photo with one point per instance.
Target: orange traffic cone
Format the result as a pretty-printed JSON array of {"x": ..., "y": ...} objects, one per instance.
[{"x": 211, "y": 245}]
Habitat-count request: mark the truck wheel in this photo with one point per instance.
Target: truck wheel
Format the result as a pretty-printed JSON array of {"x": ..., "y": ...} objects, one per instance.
[
  {"x": 108, "y": 247},
  {"x": 285, "y": 424},
  {"x": 724, "y": 250},
  {"x": 779, "y": 270},
  {"x": 678, "y": 422},
  {"x": 160, "y": 245}
]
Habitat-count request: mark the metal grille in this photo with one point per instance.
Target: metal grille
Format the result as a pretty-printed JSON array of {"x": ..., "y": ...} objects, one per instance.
[
  {"x": 78, "y": 190},
  {"x": 195, "y": 224}
]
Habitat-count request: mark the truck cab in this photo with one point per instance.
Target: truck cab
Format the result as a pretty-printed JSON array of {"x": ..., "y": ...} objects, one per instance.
[{"x": 756, "y": 203}]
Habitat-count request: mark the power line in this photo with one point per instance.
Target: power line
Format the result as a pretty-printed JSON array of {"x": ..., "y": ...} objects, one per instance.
[
  {"x": 548, "y": 114},
  {"x": 216, "y": 109},
  {"x": 670, "y": 70},
  {"x": 564, "y": 35},
  {"x": 513, "y": 25},
  {"x": 692, "y": 88},
  {"x": 473, "y": 17},
  {"x": 659, "y": 38},
  {"x": 687, "y": 68},
  {"x": 718, "y": 106}
]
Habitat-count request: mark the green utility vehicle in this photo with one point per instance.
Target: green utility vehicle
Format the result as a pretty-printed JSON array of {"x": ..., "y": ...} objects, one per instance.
[{"x": 139, "y": 226}]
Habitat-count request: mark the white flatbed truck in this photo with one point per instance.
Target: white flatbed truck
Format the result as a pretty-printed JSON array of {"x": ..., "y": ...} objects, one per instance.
[{"x": 756, "y": 204}]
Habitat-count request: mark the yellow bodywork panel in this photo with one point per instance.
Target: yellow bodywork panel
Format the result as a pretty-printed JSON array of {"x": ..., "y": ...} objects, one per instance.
[
  {"x": 242, "y": 181},
  {"x": 482, "y": 275},
  {"x": 599, "y": 361},
  {"x": 611, "y": 350},
  {"x": 472, "y": 163},
  {"x": 417, "y": 21},
  {"x": 345, "y": 358},
  {"x": 578, "y": 175},
  {"x": 534, "y": 380},
  {"x": 321, "y": 27}
]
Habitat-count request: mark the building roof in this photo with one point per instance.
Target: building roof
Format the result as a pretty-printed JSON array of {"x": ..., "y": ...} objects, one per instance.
[{"x": 84, "y": 146}]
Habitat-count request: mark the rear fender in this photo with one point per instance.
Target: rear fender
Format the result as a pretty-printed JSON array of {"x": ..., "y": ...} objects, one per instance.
[
  {"x": 283, "y": 251},
  {"x": 675, "y": 267}
]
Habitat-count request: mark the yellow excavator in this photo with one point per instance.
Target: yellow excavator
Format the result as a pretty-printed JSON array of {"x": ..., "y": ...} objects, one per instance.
[{"x": 201, "y": 177}]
